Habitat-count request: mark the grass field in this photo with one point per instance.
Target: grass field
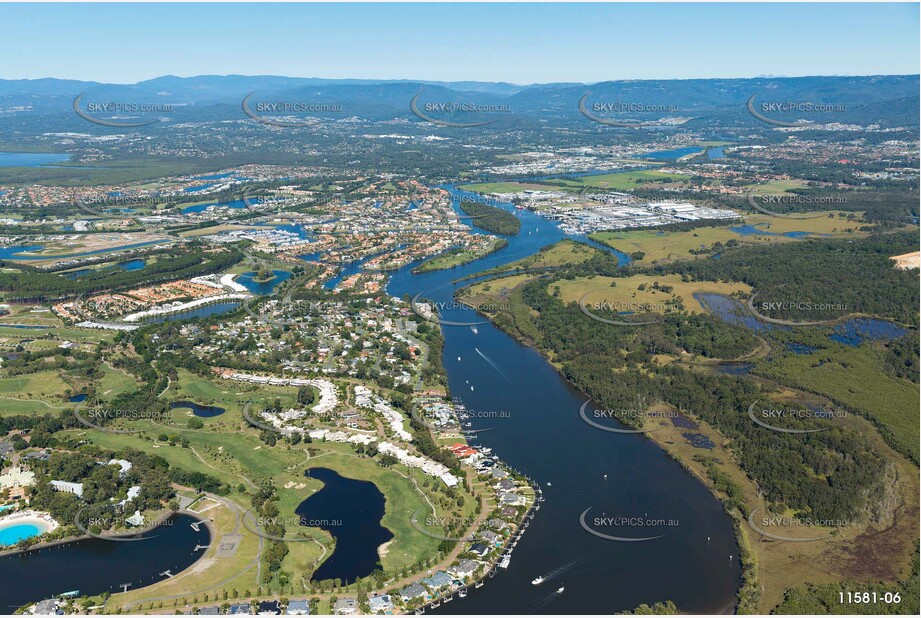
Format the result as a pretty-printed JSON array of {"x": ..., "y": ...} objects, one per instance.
[
  {"x": 45, "y": 385},
  {"x": 617, "y": 181},
  {"x": 662, "y": 246},
  {"x": 114, "y": 382},
  {"x": 629, "y": 297},
  {"x": 564, "y": 252}
]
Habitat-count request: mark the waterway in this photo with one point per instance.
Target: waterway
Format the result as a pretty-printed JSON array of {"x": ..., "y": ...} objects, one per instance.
[
  {"x": 94, "y": 566},
  {"x": 248, "y": 280},
  {"x": 199, "y": 312},
  {"x": 351, "y": 511},
  {"x": 543, "y": 436},
  {"x": 31, "y": 159}
]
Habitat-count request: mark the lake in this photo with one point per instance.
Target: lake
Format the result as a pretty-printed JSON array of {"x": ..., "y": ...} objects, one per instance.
[
  {"x": 350, "y": 511},
  {"x": 31, "y": 159},
  {"x": 94, "y": 566},
  {"x": 248, "y": 281},
  {"x": 199, "y": 312},
  {"x": 671, "y": 155},
  {"x": 198, "y": 409}
]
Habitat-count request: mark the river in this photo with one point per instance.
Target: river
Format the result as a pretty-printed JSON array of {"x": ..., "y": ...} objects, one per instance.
[{"x": 543, "y": 436}]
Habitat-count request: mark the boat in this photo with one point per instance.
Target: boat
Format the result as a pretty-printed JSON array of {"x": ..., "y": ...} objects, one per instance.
[
  {"x": 548, "y": 484},
  {"x": 471, "y": 387},
  {"x": 561, "y": 589},
  {"x": 458, "y": 359},
  {"x": 462, "y": 594},
  {"x": 475, "y": 331},
  {"x": 505, "y": 561},
  {"x": 538, "y": 581}
]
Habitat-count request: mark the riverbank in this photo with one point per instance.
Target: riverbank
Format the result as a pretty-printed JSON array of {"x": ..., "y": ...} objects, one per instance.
[
  {"x": 770, "y": 567},
  {"x": 454, "y": 258}
]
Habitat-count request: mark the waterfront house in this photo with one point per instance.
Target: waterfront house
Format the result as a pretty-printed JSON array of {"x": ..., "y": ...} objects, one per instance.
[
  {"x": 464, "y": 568},
  {"x": 499, "y": 474},
  {"x": 299, "y": 607},
  {"x": 412, "y": 591},
  {"x": 238, "y": 609},
  {"x": 490, "y": 537},
  {"x": 380, "y": 603},
  {"x": 505, "y": 485},
  {"x": 136, "y": 520},
  {"x": 438, "y": 580},
  {"x": 48, "y": 607},
  {"x": 6, "y": 448},
  {"x": 510, "y": 498},
  {"x": 214, "y": 610},
  {"x": 479, "y": 549},
  {"x": 346, "y": 606},
  {"x": 508, "y": 511}
]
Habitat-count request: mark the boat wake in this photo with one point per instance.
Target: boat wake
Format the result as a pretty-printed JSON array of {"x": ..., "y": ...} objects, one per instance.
[
  {"x": 493, "y": 364},
  {"x": 560, "y": 570}
]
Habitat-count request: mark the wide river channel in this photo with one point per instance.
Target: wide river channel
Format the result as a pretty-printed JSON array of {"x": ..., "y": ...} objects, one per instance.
[{"x": 694, "y": 562}]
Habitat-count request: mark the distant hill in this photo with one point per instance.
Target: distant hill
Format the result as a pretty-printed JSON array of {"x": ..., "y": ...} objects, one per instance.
[{"x": 891, "y": 100}]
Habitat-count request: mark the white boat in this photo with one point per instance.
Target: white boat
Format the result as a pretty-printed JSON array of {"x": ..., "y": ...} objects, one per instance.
[
  {"x": 505, "y": 562},
  {"x": 462, "y": 594},
  {"x": 548, "y": 484},
  {"x": 475, "y": 331},
  {"x": 538, "y": 581},
  {"x": 561, "y": 589},
  {"x": 471, "y": 387},
  {"x": 458, "y": 359}
]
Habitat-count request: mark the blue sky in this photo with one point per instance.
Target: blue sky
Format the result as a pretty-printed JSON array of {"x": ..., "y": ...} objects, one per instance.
[{"x": 521, "y": 43}]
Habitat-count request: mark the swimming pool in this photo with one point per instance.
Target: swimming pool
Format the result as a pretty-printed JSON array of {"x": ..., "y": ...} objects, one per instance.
[{"x": 17, "y": 532}]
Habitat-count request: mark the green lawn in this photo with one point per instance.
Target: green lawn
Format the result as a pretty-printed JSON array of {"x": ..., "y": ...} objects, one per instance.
[{"x": 617, "y": 181}]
